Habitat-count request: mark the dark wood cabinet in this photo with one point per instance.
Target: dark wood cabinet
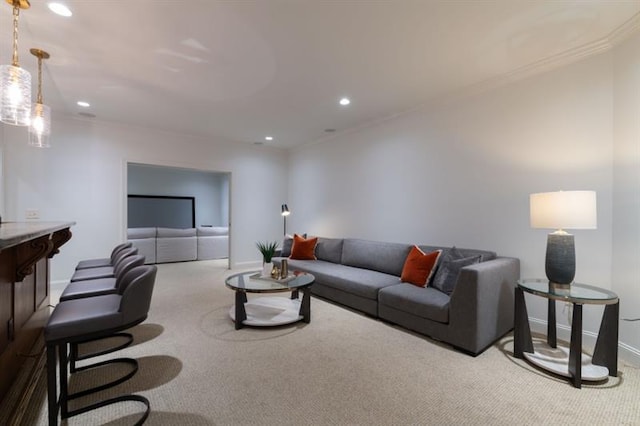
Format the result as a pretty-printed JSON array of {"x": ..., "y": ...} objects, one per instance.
[{"x": 25, "y": 252}]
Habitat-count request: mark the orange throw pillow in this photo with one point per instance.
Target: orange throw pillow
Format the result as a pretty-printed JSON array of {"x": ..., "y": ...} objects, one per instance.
[
  {"x": 418, "y": 267},
  {"x": 303, "y": 248}
]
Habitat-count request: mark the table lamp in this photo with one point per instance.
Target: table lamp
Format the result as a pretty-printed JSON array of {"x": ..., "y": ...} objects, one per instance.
[{"x": 562, "y": 210}]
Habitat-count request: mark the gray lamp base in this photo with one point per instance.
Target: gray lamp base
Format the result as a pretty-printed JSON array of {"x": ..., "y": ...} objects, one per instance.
[{"x": 560, "y": 263}]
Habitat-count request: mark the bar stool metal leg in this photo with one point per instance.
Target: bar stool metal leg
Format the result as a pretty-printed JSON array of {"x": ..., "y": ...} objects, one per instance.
[
  {"x": 62, "y": 365},
  {"x": 52, "y": 388}
]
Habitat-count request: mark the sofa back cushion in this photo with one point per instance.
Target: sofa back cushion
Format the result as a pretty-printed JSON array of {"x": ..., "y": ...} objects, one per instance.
[
  {"x": 376, "y": 256},
  {"x": 461, "y": 252},
  {"x": 329, "y": 249},
  {"x": 212, "y": 231},
  {"x": 140, "y": 233},
  {"x": 174, "y": 232}
]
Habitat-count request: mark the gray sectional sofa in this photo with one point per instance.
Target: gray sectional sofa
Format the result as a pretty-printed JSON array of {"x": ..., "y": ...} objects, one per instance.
[
  {"x": 162, "y": 245},
  {"x": 365, "y": 275}
]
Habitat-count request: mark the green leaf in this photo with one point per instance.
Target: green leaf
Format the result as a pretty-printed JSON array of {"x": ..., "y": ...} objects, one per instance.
[{"x": 268, "y": 249}]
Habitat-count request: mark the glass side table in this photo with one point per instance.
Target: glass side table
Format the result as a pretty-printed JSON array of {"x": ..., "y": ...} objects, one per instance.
[{"x": 571, "y": 363}]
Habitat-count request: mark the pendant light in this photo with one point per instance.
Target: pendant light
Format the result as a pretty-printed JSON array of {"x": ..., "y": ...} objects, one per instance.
[
  {"x": 15, "y": 82},
  {"x": 40, "y": 126}
]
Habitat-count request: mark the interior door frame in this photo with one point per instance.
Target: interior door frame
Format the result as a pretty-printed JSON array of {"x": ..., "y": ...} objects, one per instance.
[{"x": 174, "y": 165}]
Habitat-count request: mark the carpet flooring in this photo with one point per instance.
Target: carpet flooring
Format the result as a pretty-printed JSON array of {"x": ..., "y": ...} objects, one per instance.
[{"x": 344, "y": 368}]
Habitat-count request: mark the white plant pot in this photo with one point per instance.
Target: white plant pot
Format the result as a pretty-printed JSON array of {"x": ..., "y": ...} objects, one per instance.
[{"x": 266, "y": 270}]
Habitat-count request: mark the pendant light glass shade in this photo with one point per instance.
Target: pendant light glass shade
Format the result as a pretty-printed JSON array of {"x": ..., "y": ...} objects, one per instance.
[
  {"x": 40, "y": 123},
  {"x": 15, "y": 82},
  {"x": 15, "y": 102},
  {"x": 40, "y": 127}
]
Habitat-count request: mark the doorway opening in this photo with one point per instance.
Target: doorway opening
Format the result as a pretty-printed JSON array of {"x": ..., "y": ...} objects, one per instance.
[{"x": 176, "y": 214}]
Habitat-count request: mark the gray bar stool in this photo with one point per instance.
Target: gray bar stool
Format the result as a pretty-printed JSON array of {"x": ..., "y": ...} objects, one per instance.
[
  {"x": 102, "y": 286},
  {"x": 104, "y": 271},
  {"x": 107, "y": 261},
  {"x": 92, "y": 318}
]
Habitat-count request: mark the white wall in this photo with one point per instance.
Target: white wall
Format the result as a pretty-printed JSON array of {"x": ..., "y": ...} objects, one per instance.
[
  {"x": 626, "y": 186},
  {"x": 82, "y": 178},
  {"x": 208, "y": 188},
  {"x": 462, "y": 174}
]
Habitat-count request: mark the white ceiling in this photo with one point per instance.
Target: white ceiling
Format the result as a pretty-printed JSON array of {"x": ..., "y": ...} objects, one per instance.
[{"x": 241, "y": 70}]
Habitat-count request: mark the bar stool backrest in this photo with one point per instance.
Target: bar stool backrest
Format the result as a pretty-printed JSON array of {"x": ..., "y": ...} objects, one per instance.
[
  {"x": 117, "y": 249},
  {"x": 125, "y": 253},
  {"x": 127, "y": 264},
  {"x": 137, "y": 286}
]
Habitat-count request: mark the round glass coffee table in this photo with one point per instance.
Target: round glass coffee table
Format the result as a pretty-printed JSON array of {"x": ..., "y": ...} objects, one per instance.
[{"x": 268, "y": 311}]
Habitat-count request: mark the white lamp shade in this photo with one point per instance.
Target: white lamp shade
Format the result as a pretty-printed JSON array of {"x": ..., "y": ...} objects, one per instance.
[
  {"x": 563, "y": 210},
  {"x": 15, "y": 95},
  {"x": 40, "y": 126}
]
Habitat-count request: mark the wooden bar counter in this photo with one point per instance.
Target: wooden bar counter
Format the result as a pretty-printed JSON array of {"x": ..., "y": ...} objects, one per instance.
[{"x": 25, "y": 250}]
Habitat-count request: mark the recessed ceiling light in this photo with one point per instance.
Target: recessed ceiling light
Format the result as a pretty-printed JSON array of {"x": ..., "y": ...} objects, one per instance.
[
  {"x": 60, "y": 9},
  {"x": 329, "y": 130},
  {"x": 268, "y": 138},
  {"x": 345, "y": 101},
  {"x": 84, "y": 104}
]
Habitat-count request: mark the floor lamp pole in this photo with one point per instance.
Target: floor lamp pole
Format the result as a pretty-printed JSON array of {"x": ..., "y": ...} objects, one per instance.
[{"x": 285, "y": 213}]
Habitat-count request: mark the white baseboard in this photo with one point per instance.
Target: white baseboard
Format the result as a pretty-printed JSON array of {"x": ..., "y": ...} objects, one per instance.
[
  {"x": 626, "y": 353},
  {"x": 247, "y": 265}
]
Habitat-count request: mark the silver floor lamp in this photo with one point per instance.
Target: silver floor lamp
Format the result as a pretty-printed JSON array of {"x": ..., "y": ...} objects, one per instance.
[{"x": 285, "y": 213}]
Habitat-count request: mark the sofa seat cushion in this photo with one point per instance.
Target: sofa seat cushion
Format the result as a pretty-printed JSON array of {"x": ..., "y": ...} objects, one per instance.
[
  {"x": 357, "y": 281},
  {"x": 425, "y": 302}
]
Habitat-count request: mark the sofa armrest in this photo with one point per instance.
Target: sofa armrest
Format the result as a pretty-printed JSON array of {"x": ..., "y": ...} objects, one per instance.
[{"x": 481, "y": 306}]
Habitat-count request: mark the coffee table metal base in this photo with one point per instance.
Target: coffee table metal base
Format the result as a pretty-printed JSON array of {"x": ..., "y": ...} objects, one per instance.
[{"x": 269, "y": 311}]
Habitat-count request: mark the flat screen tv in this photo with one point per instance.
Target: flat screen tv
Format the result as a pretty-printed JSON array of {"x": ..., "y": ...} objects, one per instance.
[{"x": 160, "y": 211}]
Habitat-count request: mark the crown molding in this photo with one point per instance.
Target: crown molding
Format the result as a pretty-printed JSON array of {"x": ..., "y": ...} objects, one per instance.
[
  {"x": 617, "y": 36},
  {"x": 625, "y": 30}
]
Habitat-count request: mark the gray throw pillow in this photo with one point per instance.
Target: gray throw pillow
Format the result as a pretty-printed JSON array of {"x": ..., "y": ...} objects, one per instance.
[
  {"x": 286, "y": 246},
  {"x": 448, "y": 272},
  {"x": 448, "y": 254}
]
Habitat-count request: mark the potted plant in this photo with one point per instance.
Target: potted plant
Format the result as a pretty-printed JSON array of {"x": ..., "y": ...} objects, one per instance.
[{"x": 267, "y": 250}]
